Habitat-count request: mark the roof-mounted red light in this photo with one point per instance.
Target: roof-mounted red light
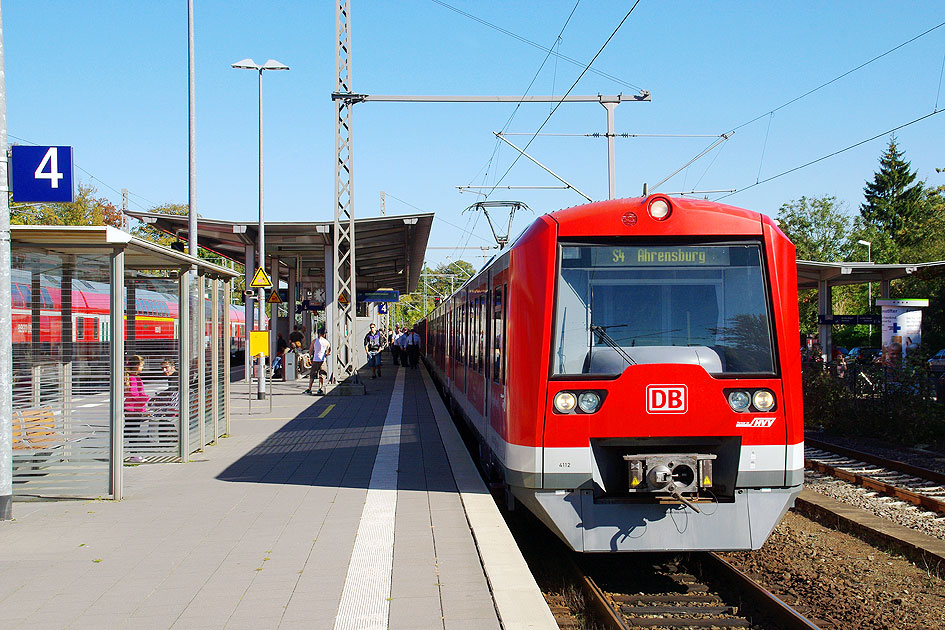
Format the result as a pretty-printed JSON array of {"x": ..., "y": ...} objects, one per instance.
[{"x": 659, "y": 208}]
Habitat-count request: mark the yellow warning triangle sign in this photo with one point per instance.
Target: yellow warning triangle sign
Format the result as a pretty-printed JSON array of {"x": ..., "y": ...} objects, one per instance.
[
  {"x": 261, "y": 279},
  {"x": 274, "y": 298},
  {"x": 342, "y": 299}
]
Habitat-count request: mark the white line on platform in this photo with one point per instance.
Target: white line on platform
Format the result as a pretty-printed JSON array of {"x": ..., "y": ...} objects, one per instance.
[{"x": 365, "y": 600}]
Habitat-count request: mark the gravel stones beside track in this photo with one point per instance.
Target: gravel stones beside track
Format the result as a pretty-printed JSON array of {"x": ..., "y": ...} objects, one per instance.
[
  {"x": 932, "y": 458},
  {"x": 900, "y": 512},
  {"x": 833, "y": 577}
]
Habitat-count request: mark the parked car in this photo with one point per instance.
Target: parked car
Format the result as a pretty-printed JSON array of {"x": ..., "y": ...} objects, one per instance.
[
  {"x": 862, "y": 355},
  {"x": 937, "y": 362}
]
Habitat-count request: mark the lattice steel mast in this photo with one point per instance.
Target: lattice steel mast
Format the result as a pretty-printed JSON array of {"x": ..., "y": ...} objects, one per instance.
[{"x": 344, "y": 295}]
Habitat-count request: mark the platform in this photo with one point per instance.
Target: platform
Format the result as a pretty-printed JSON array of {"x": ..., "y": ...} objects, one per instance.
[{"x": 328, "y": 512}]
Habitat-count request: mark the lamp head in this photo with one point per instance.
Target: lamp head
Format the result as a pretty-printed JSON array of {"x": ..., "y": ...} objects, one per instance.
[
  {"x": 246, "y": 64},
  {"x": 272, "y": 64}
]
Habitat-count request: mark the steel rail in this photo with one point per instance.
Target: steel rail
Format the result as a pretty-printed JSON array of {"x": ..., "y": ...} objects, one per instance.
[
  {"x": 610, "y": 617},
  {"x": 770, "y": 603},
  {"x": 892, "y": 464},
  {"x": 915, "y": 498}
]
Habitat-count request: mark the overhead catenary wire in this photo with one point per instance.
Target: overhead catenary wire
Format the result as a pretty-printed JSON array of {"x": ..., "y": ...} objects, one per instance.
[
  {"x": 437, "y": 218},
  {"x": 538, "y": 46},
  {"x": 837, "y": 78},
  {"x": 570, "y": 89},
  {"x": 497, "y": 146},
  {"x": 832, "y": 154},
  {"x": 598, "y": 134},
  {"x": 938, "y": 93}
]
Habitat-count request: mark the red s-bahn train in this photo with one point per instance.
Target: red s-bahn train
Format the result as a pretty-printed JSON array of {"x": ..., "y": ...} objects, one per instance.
[
  {"x": 156, "y": 314},
  {"x": 631, "y": 371}
]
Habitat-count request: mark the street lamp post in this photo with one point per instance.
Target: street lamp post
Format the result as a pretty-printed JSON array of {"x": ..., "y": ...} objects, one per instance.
[
  {"x": 249, "y": 64},
  {"x": 869, "y": 286}
]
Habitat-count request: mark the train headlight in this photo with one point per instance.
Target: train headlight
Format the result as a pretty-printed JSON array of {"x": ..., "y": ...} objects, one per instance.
[
  {"x": 589, "y": 402},
  {"x": 739, "y": 400},
  {"x": 763, "y": 400},
  {"x": 565, "y": 402},
  {"x": 659, "y": 209}
]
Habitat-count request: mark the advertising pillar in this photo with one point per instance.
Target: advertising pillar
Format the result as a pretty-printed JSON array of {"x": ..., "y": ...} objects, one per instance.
[{"x": 902, "y": 329}]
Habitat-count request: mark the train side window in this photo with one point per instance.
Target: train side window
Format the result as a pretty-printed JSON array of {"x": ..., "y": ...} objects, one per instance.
[
  {"x": 79, "y": 328},
  {"x": 481, "y": 337},
  {"x": 497, "y": 334},
  {"x": 47, "y": 300},
  {"x": 505, "y": 329},
  {"x": 27, "y": 292},
  {"x": 18, "y": 300}
]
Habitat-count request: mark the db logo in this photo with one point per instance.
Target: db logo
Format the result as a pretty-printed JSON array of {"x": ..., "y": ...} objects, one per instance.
[{"x": 666, "y": 398}]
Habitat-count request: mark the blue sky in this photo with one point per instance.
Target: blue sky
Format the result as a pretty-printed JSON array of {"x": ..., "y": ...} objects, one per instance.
[{"x": 109, "y": 77}]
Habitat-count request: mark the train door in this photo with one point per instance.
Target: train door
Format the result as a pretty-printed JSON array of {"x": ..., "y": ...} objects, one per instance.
[
  {"x": 459, "y": 330},
  {"x": 450, "y": 341},
  {"x": 498, "y": 318}
]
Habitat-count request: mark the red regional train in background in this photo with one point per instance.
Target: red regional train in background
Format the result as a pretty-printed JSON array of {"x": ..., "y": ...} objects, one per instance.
[
  {"x": 156, "y": 315},
  {"x": 631, "y": 371}
]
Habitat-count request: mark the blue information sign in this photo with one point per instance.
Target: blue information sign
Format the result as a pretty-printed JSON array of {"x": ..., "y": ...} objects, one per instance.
[
  {"x": 42, "y": 174},
  {"x": 379, "y": 296}
]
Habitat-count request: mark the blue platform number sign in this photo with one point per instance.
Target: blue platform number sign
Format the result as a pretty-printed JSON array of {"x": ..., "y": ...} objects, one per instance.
[{"x": 42, "y": 174}]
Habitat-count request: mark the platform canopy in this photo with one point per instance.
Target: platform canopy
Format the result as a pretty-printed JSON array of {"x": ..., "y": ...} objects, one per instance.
[
  {"x": 138, "y": 253},
  {"x": 811, "y": 273},
  {"x": 389, "y": 250}
]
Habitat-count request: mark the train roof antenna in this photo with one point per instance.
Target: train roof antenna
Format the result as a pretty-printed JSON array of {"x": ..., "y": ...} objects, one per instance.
[{"x": 501, "y": 239}]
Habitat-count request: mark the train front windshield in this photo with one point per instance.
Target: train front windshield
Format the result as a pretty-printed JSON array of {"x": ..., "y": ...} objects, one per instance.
[{"x": 627, "y": 305}]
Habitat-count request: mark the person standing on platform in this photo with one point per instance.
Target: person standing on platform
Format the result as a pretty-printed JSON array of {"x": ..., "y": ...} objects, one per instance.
[
  {"x": 395, "y": 346},
  {"x": 413, "y": 348},
  {"x": 320, "y": 350},
  {"x": 402, "y": 344},
  {"x": 372, "y": 346}
]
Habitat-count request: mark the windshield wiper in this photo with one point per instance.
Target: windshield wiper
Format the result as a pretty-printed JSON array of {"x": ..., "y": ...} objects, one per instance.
[{"x": 602, "y": 335}]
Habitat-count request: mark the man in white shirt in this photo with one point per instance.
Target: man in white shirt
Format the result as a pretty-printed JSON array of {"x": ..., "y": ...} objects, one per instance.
[
  {"x": 402, "y": 344},
  {"x": 413, "y": 347},
  {"x": 320, "y": 350}
]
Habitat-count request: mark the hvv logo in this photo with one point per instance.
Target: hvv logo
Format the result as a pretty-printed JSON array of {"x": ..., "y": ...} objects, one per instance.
[{"x": 666, "y": 398}]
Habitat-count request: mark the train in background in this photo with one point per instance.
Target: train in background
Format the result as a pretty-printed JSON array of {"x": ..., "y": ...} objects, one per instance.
[
  {"x": 156, "y": 314},
  {"x": 631, "y": 372}
]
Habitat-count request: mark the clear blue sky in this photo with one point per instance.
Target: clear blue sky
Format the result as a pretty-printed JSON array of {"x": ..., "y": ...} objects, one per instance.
[{"x": 109, "y": 77}]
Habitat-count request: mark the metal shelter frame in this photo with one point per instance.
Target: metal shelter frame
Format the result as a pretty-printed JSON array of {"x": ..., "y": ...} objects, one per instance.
[
  {"x": 126, "y": 253},
  {"x": 390, "y": 254},
  {"x": 823, "y": 276}
]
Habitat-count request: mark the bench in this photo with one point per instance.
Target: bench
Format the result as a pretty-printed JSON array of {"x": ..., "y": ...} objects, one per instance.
[{"x": 35, "y": 430}]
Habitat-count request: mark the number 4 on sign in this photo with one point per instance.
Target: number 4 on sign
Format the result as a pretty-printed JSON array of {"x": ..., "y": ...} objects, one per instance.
[{"x": 51, "y": 159}]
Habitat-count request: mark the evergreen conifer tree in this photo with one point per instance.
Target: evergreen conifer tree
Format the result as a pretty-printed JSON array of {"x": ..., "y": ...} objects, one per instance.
[{"x": 894, "y": 202}]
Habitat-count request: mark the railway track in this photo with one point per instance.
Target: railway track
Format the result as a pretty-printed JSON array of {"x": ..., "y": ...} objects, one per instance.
[
  {"x": 905, "y": 482},
  {"x": 677, "y": 598}
]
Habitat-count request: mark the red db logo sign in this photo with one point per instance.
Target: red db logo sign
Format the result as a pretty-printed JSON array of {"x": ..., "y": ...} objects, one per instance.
[{"x": 666, "y": 398}]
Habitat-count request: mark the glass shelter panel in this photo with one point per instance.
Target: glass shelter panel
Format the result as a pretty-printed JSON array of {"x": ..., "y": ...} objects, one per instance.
[
  {"x": 699, "y": 304},
  {"x": 207, "y": 344},
  {"x": 196, "y": 347},
  {"x": 222, "y": 339},
  {"x": 61, "y": 373},
  {"x": 152, "y": 371}
]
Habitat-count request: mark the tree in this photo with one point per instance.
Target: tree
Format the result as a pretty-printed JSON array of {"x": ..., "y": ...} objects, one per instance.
[
  {"x": 150, "y": 233},
  {"x": 894, "y": 203},
  {"x": 822, "y": 230},
  {"x": 436, "y": 282},
  {"x": 819, "y": 228},
  {"x": 86, "y": 210}
]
